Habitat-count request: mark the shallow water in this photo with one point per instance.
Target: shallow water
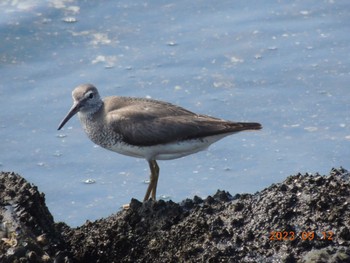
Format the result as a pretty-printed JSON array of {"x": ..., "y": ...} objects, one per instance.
[{"x": 283, "y": 64}]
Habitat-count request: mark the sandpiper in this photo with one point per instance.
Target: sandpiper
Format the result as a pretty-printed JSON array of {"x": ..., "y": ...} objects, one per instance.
[{"x": 147, "y": 128}]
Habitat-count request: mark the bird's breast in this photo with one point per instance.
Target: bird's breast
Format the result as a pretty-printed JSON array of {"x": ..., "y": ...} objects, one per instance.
[{"x": 98, "y": 132}]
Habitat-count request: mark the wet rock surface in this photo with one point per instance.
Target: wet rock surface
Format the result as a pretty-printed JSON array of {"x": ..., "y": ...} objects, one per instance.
[
  {"x": 306, "y": 218},
  {"x": 27, "y": 229}
]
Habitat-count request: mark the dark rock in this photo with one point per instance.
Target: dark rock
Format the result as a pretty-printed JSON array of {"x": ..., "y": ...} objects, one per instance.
[
  {"x": 306, "y": 218},
  {"x": 25, "y": 220}
]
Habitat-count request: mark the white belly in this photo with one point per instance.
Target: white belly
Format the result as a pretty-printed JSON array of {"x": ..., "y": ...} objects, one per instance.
[{"x": 166, "y": 151}]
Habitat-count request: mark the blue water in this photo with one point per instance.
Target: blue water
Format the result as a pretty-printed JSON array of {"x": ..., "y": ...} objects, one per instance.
[{"x": 285, "y": 64}]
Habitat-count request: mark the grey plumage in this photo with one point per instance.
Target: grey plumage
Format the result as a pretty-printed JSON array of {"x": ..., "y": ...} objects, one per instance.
[{"x": 147, "y": 128}]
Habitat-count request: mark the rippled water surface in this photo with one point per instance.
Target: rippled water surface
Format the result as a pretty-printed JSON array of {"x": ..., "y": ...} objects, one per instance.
[{"x": 282, "y": 63}]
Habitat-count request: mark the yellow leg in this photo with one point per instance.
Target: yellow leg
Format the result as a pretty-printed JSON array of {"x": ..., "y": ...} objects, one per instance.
[
  {"x": 156, "y": 173},
  {"x": 152, "y": 187}
]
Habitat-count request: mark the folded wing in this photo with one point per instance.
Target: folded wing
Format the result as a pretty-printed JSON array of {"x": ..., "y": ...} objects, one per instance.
[{"x": 154, "y": 122}]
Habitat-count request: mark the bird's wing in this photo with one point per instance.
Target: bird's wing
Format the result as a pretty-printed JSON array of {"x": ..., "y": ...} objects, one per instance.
[
  {"x": 151, "y": 122},
  {"x": 147, "y": 129}
]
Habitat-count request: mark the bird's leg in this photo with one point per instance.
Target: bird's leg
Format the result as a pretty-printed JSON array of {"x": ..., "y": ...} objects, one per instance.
[
  {"x": 156, "y": 173},
  {"x": 152, "y": 187}
]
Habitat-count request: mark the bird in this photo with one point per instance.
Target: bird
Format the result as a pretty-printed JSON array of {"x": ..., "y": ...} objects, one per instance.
[{"x": 147, "y": 128}]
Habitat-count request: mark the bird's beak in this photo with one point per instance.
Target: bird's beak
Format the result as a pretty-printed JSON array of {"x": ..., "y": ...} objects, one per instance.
[{"x": 71, "y": 113}]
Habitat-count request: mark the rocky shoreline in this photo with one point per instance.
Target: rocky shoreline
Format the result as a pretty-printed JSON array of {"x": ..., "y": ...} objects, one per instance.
[{"x": 305, "y": 218}]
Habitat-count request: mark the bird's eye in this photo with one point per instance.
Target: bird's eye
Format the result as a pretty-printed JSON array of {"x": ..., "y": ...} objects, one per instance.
[{"x": 91, "y": 95}]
